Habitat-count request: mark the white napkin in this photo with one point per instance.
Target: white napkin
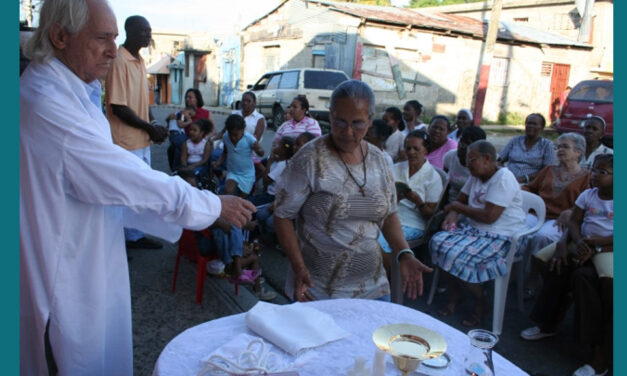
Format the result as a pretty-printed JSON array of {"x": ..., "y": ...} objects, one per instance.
[
  {"x": 242, "y": 354},
  {"x": 293, "y": 327}
]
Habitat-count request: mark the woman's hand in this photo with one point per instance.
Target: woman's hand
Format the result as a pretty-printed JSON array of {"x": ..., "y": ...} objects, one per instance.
[
  {"x": 449, "y": 220},
  {"x": 302, "y": 281},
  {"x": 586, "y": 252},
  {"x": 411, "y": 275},
  {"x": 562, "y": 221},
  {"x": 560, "y": 257}
]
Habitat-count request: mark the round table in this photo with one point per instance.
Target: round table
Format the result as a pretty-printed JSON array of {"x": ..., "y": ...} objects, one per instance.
[{"x": 182, "y": 356}]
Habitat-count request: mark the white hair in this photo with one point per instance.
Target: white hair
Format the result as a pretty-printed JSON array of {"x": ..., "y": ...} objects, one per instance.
[
  {"x": 467, "y": 111},
  {"x": 70, "y": 14}
]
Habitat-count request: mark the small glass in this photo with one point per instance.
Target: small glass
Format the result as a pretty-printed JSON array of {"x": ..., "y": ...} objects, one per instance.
[{"x": 478, "y": 361}]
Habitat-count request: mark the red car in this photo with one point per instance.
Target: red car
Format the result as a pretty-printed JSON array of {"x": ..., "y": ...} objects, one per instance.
[{"x": 588, "y": 98}]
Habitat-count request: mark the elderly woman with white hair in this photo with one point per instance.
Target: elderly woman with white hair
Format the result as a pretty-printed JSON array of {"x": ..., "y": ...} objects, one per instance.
[
  {"x": 336, "y": 196},
  {"x": 464, "y": 120},
  {"x": 559, "y": 186}
]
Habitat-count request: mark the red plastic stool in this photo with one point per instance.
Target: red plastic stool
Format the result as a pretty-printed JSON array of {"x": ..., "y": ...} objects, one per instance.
[{"x": 188, "y": 246}]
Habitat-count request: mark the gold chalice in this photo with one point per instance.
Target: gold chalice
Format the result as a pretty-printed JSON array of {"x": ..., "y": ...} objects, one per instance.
[{"x": 409, "y": 345}]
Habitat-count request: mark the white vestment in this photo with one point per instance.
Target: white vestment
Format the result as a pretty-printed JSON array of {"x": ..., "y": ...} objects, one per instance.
[{"x": 77, "y": 192}]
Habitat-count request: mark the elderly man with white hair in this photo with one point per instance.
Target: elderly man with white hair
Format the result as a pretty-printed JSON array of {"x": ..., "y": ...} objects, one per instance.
[{"x": 77, "y": 192}]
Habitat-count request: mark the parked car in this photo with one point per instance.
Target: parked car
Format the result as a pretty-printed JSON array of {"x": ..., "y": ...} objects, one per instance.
[
  {"x": 276, "y": 90},
  {"x": 588, "y": 98}
]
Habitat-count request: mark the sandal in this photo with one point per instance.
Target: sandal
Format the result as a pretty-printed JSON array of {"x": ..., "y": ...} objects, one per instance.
[
  {"x": 472, "y": 321},
  {"x": 447, "y": 310},
  {"x": 247, "y": 276}
]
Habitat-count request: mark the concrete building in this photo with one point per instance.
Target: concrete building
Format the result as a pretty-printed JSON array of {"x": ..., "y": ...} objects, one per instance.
[
  {"x": 436, "y": 56},
  {"x": 563, "y": 17}
]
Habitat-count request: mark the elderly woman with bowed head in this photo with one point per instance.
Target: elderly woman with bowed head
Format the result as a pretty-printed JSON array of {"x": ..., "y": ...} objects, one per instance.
[
  {"x": 475, "y": 253},
  {"x": 527, "y": 155},
  {"x": 339, "y": 196}
]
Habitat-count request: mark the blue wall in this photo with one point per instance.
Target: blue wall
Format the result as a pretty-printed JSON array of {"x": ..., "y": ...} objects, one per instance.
[{"x": 229, "y": 58}]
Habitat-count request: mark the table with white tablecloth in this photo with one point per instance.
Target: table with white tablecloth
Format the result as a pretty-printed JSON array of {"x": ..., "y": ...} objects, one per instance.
[{"x": 182, "y": 356}]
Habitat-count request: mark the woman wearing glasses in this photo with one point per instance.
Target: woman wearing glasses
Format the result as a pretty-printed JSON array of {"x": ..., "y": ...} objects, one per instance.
[
  {"x": 337, "y": 196},
  {"x": 559, "y": 187}
]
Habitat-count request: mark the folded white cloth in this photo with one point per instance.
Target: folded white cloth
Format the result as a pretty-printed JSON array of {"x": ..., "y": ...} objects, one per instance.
[
  {"x": 293, "y": 327},
  {"x": 244, "y": 354}
]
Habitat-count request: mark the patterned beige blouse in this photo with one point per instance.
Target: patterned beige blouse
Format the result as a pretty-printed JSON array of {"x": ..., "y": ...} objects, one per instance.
[{"x": 336, "y": 225}]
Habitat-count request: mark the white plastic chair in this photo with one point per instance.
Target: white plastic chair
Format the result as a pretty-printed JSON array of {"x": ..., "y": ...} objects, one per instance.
[
  {"x": 530, "y": 202},
  {"x": 396, "y": 283}
]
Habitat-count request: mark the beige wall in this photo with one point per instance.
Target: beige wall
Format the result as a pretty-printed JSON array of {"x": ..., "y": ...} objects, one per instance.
[{"x": 559, "y": 17}]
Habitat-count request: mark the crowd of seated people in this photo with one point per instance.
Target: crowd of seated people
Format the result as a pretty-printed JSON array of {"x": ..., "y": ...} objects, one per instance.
[{"x": 482, "y": 202}]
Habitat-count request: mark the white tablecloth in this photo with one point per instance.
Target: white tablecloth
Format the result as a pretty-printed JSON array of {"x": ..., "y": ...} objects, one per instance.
[{"x": 360, "y": 317}]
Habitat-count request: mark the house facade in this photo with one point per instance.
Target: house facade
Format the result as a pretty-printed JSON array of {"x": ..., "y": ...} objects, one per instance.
[
  {"x": 563, "y": 17},
  {"x": 407, "y": 54}
]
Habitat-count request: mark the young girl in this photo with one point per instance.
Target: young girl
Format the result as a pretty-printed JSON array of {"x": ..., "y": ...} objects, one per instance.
[
  {"x": 238, "y": 145},
  {"x": 394, "y": 144},
  {"x": 583, "y": 262},
  {"x": 280, "y": 154},
  {"x": 228, "y": 242},
  {"x": 302, "y": 139},
  {"x": 197, "y": 149},
  {"x": 177, "y": 123}
]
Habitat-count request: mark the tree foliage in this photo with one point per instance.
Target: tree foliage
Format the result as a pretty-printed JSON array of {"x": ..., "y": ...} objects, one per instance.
[{"x": 436, "y": 3}]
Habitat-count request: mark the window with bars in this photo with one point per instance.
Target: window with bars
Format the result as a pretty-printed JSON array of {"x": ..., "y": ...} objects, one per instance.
[
  {"x": 499, "y": 71},
  {"x": 546, "y": 70}
]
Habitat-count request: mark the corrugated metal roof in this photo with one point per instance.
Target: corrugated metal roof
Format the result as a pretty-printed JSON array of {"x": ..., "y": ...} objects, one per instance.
[
  {"x": 160, "y": 66},
  {"x": 442, "y": 22}
]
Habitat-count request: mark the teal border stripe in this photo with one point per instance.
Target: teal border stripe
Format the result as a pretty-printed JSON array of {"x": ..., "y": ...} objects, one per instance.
[
  {"x": 10, "y": 189},
  {"x": 620, "y": 185}
]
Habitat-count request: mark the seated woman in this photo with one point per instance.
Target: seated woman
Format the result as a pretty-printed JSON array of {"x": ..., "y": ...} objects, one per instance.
[
  {"x": 559, "y": 186},
  {"x": 464, "y": 120},
  {"x": 418, "y": 189},
  {"x": 475, "y": 253},
  {"x": 527, "y": 155},
  {"x": 582, "y": 262},
  {"x": 455, "y": 161},
  {"x": 394, "y": 143},
  {"x": 300, "y": 121},
  {"x": 440, "y": 143},
  {"x": 594, "y": 131},
  {"x": 377, "y": 134}
]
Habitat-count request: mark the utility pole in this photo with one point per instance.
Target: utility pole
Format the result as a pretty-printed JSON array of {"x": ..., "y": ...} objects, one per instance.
[{"x": 486, "y": 60}]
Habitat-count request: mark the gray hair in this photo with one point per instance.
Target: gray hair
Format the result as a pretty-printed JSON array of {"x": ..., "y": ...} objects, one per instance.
[
  {"x": 483, "y": 147},
  {"x": 578, "y": 141},
  {"x": 467, "y": 112},
  {"x": 353, "y": 89},
  {"x": 70, "y": 14}
]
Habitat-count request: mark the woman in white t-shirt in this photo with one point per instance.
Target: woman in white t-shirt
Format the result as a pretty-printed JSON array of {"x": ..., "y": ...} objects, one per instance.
[
  {"x": 475, "y": 253},
  {"x": 418, "y": 189}
]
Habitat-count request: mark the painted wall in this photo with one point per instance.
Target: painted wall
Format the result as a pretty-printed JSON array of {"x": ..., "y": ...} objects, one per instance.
[{"x": 443, "y": 69}]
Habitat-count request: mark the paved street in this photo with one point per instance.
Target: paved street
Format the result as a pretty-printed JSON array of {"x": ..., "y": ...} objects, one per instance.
[{"x": 159, "y": 315}]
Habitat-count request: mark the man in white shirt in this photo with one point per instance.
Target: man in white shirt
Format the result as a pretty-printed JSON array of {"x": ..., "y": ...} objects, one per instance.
[{"x": 77, "y": 192}]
